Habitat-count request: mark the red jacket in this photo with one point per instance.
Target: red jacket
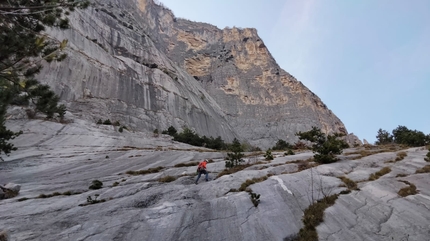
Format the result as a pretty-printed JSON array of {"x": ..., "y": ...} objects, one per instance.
[{"x": 202, "y": 165}]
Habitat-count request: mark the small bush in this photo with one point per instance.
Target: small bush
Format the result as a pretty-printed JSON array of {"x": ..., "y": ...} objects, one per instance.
[
  {"x": 115, "y": 184},
  {"x": 406, "y": 191},
  {"x": 255, "y": 198},
  {"x": 425, "y": 169},
  {"x": 121, "y": 129},
  {"x": 99, "y": 122},
  {"x": 68, "y": 193},
  {"x": 90, "y": 200},
  {"x": 167, "y": 179},
  {"x": 379, "y": 174},
  {"x": 289, "y": 152},
  {"x": 22, "y": 199},
  {"x": 107, "y": 122},
  {"x": 268, "y": 155},
  {"x": 402, "y": 175},
  {"x": 147, "y": 171},
  {"x": 116, "y": 123},
  {"x": 96, "y": 184}
]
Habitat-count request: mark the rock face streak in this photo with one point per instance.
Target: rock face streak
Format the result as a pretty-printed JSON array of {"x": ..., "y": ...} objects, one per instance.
[{"x": 135, "y": 62}]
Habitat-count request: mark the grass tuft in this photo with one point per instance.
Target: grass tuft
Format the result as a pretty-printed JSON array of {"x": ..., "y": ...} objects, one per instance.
[
  {"x": 233, "y": 170},
  {"x": 189, "y": 164},
  {"x": 379, "y": 174},
  {"x": 147, "y": 171},
  {"x": 406, "y": 191},
  {"x": 249, "y": 182},
  {"x": 425, "y": 169},
  {"x": 167, "y": 179},
  {"x": 350, "y": 184}
]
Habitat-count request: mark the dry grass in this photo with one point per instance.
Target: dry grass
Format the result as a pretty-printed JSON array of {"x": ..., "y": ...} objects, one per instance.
[
  {"x": 406, "y": 191},
  {"x": 312, "y": 217},
  {"x": 167, "y": 179},
  {"x": 255, "y": 153},
  {"x": 350, "y": 184},
  {"x": 4, "y": 236},
  {"x": 189, "y": 164},
  {"x": 425, "y": 169},
  {"x": 249, "y": 182},
  {"x": 147, "y": 171},
  {"x": 233, "y": 170},
  {"x": 379, "y": 174},
  {"x": 400, "y": 156}
]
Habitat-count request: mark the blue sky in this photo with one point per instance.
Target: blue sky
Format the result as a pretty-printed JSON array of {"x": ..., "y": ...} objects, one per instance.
[{"x": 368, "y": 60}]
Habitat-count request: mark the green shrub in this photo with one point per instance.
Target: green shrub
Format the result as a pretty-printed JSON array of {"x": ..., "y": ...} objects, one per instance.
[
  {"x": 324, "y": 147},
  {"x": 402, "y": 135},
  {"x": 22, "y": 199},
  {"x": 282, "y": 145},
  {"x": 383, "y": 137},
  {"x": 90, "y": 200},
  {"x": 255, "y": 198},
  {"x": 268, "y": 155},
  {"x": 96, "y": 184},
  {"x": 234, "y": 157},
  {"x": 289, "y": 152},
  {"x": 121, "y": 129},
  {"x": 107, "y": 122}
]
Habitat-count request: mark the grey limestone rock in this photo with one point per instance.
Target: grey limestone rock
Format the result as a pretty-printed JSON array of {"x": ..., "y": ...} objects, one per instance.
[
  {"x": 135, "y": 62},
  {"x": 13, "y": 187},
  {"x": 60, "y": 160}
]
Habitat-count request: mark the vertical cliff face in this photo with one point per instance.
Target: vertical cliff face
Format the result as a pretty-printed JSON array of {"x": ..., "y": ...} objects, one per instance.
[
  {"x": 134, "y": 61},
  {"x": 262, "y": 102}
]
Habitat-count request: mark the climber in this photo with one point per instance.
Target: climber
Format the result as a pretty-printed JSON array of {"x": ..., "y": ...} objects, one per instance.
[{"x": 202, "y": 169}]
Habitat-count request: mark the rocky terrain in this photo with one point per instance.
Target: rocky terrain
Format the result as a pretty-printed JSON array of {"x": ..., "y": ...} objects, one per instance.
[
  {"x": 57, "y": 163},
  {"x": 134, "y": 61}
]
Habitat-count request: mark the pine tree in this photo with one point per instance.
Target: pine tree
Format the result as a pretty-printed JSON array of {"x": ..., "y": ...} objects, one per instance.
[
  {"x": 324, "y": 147},
  {"x": 235, "y": 157},
  {"x": 23, "y": 48}
]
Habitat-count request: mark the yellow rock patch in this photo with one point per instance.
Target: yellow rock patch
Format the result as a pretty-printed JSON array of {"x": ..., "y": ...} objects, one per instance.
[
  {"x": 191, "y": 40},
  {"x": 198, "y": 65}
]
